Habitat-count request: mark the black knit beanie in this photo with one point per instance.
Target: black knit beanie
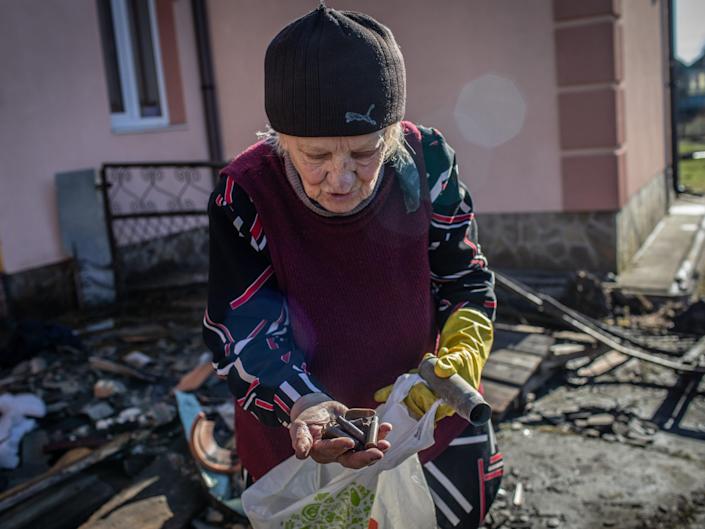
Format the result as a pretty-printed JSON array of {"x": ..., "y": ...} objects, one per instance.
[{"x": 334, "y": 73}]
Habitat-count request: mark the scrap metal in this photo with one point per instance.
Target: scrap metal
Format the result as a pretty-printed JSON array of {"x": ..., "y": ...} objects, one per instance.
[
  {"x": 461, "y": 396},
  {"x": 552, "y": 307}
]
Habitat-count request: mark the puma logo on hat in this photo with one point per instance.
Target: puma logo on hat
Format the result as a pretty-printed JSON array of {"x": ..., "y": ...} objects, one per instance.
[{"x": 354, "y": 116}]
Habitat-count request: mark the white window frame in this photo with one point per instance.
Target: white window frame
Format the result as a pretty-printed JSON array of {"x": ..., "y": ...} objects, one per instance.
[{"x": 130, "y": 119}]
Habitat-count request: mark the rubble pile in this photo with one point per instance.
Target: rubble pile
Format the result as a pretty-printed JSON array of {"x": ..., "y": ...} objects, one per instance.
[
  {"x": 612, "y": 424},
  {"x": 96, "y": 406},
  {"x": 110, "y": 417}
]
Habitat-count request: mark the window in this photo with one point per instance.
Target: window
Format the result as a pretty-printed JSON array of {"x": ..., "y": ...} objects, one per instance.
[{"x": 133, "y": 64}]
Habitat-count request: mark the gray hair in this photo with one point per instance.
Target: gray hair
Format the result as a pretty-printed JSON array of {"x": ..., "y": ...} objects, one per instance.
[{"x": 393, "y": 138}]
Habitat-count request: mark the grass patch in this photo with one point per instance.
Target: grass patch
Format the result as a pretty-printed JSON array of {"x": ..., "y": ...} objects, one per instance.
[
  {"x": 692, "y": 172},
  {"x": 692, "y": 175},
  {"x": 690, "y": 146}
]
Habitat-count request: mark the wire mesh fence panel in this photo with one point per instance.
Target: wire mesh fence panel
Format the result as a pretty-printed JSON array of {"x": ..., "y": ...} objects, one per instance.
[
  {"x": 157, "y": 220},
  {"x": 137, "y": 230}
]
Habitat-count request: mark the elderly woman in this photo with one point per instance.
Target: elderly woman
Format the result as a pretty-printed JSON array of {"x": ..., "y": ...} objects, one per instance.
[{"x": 344, "y": 248}]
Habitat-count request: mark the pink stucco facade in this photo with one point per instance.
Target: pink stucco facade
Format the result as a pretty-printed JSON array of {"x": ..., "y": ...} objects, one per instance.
[
  {"x": 481, "y": 71},
  {"x": 54, "y": 116},
  {"x": 611, "y": 60},
  {"x": 645, "y": 111},
  {"x": 553, "y": 106}
]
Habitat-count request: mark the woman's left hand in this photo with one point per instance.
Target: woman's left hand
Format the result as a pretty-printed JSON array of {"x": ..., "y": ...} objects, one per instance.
[{"x": 306, "y": 431}]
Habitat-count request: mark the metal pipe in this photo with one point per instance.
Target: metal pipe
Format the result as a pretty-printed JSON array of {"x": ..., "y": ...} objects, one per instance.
[
  {"x": 673, "y": 89},
  {"x": 351, "y": 429},
  {"x": 372, "y": 433},
  {"x": 553, "y": 308},
  {"x": 205, "y": 63},
  {"x": 461, "y": 396},
  {"x": 5, "y": 301},
  {"x": 104, "y": 187}
]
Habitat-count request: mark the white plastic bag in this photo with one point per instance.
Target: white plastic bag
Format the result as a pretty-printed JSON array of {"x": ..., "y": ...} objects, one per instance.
[{"x": 392, "y": 493}]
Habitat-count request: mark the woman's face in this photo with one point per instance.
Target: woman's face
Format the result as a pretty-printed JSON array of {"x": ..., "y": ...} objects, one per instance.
[{"x": 337, "y": 172}]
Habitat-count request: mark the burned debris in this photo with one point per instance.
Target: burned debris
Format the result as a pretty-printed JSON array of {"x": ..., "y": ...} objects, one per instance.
[
  {"x": 108, "y": 421},
  {"x": 126, "y": 405},
  {"x": 619, "y": 404}
]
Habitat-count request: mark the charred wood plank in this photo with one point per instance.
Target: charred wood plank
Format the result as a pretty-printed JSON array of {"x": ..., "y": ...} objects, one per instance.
[
  {"x": 108, "y": 366},
  {"x": 34, "y": 486},
  {"x": 604, "y": 364},
  {"x": 60, "y": 507},
  {"x": 552, "y": 307},
  {"x": 165, "y": 495}
]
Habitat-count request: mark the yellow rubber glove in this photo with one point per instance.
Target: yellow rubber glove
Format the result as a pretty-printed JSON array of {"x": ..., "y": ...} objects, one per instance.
[
  {"x": 418, "y": 401},
  {"x": 466, "y": 341},
  {"x": 465, "y": 344}
]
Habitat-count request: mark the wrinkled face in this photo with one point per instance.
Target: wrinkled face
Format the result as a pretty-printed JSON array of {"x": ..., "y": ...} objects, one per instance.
[{"x": 337, "y": 172}]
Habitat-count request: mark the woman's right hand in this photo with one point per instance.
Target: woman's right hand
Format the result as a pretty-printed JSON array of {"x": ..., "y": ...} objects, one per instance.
[{"x": 309, "y": 417}]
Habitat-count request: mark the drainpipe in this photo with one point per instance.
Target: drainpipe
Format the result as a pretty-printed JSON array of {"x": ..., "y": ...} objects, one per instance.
[
  {"x": 5, "y": 301},
  {"x": 205, "y": 64},
  {"x": 673, "y": 88}
]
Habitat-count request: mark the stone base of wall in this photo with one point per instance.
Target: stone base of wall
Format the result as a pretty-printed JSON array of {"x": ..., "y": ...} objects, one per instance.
[
  {"x": 42, "y": 292},
  {"x": 639, "y": 217},
  {"x": 550, "y": 241},
  {"x": 599, "y": 242}
]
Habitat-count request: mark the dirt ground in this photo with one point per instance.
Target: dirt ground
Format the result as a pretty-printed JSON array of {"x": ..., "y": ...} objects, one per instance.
[
  {"x": 637, "y": 460},
  {"x": 575, "y": 481}
]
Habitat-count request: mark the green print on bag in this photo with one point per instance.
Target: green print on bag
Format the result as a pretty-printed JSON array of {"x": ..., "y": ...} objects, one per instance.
[{"x": 348, "y": 509}]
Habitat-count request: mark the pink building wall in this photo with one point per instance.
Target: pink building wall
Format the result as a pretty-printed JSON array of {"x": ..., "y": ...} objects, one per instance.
[
  {"x": 54, "y": 116},
  {"x": 589, "y": 67},
  {"x": 645, "y": 50},
  {"x": 501, "y": 79},
  {"x": 481, "y": 71},
  {"x": 611, "y": 59}
]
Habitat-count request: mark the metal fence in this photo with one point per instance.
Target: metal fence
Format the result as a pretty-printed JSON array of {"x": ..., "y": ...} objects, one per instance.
[{"x": 146, "y": 206}]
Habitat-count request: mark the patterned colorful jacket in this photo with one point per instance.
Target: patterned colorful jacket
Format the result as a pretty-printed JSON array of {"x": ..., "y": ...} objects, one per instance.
[{"x": 246, "y": 321}]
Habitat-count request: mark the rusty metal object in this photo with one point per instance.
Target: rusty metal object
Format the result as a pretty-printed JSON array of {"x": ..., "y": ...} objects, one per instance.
[
  {"x": 356, "y": 424},
  {"x": 206, "y": 450},
  {"x": 372, "y": 433},
  {"x": 333, "y": 431},
  {"x": 461, "y": 396},
  {"x": 580, "y": 322},
  {"x": 359, "y": 413},
  {"x": 350, "y": 428}
]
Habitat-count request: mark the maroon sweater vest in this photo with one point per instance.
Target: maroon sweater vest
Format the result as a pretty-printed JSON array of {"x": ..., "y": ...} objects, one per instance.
[{"x": 357, "y": 287}]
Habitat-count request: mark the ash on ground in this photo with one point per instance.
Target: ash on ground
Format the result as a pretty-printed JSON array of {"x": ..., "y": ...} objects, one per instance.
[{"x": 604, "y": 441}]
